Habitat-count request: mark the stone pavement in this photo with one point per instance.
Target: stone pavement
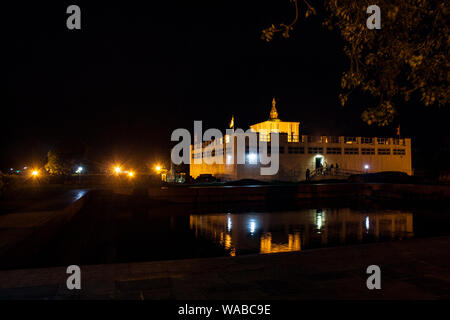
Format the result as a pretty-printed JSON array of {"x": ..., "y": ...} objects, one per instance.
[
  {"x": 410, "y": 269},
  {"x": 41, "y": 199},
  {"x": 24, "y": 222}
]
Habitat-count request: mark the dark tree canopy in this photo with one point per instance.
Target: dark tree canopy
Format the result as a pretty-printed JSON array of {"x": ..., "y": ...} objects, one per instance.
[
  {"x": 65, "y": 157},
  {"x": 406, "y": 58}
]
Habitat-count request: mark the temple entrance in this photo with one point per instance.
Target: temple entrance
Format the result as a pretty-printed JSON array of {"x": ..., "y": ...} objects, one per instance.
[{"x": 319, "y": 162}]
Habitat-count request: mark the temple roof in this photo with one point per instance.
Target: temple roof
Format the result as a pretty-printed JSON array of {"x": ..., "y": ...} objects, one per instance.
[{"x": 273, "y": 112}]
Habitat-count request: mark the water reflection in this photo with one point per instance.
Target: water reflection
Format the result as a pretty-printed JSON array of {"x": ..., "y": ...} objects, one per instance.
[
  {"x": 294, "y": 231},
  {"x": 78, "y": 194}
]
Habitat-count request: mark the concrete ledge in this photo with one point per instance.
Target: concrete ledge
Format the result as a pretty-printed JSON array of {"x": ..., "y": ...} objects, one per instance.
[
  {"x": 23, "y": 232},
  {"x": 222, "y": 194},
  {"x": 410, "y": 269}
]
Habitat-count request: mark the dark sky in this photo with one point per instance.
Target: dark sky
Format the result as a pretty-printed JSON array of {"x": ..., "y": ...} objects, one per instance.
[{"x": 137, "y": 70}]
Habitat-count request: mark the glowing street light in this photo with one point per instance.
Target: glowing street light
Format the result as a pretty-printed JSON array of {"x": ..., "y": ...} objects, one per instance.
[
  {"x": 252, "y": 158},
  {"x": 158, "y": 168},
  {"x": 79, "y": 170},
  {"x": 117, "y": 170},
  {"x": 130, "y": 174},
  {"x": 35, "y": 173}
]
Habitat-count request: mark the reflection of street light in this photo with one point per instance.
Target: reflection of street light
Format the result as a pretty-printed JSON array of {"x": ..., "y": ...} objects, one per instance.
[
  {"x": 252, "y": 226},
  {"x": 319, "y": 220}
]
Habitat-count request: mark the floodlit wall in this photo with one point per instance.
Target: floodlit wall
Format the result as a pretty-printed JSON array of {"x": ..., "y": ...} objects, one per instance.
[
  {"x": 350, "y": 154},
  {"x": 290, "y": 128}
]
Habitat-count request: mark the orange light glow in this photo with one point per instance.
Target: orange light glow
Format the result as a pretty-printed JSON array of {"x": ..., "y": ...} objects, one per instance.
[
  {"x": 117, "y": 170},
  {"x": 158, "y": 168},
  {"x": 35, "y": 173},
  {"x": 131, "y": 174}
]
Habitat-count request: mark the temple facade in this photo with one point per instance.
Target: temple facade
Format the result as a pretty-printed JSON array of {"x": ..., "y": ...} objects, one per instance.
[
  {"x": 291, "y": 129},
  {"x": 321, "y": 156}
]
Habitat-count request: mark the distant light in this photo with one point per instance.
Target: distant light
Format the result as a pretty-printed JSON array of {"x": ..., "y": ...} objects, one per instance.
[
  {"x": 79, "y": 170},
  {"x": 25, "y": 168},
  {"x": 367, "y": 223},
  {"x": 158, "y": 168},
  {"x": 35, "y": 173},
  {"x": 366, "y": 167},
  {"x": 11, "y": 169},
  {"x": 252, "y": 158},
  {"x": 130, "y": 173},
  {"x": 117, "y": 170},
  {"x": 252, "y": 226}
]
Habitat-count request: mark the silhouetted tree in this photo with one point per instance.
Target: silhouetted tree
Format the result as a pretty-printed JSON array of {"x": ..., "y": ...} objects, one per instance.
[
  {"x": 65, "y": 157},
  {"x": 407, "y": 57}
]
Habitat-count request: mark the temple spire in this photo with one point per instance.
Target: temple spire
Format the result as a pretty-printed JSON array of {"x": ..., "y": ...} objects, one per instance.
[{"x": 273, "y": 111}]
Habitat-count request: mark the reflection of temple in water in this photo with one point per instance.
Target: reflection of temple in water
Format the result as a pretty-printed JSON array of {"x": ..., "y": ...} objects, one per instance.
[{"x": 293, "y": 231}]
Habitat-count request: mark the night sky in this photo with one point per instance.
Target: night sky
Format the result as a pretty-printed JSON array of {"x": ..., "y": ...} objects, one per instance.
[{"x": 135, "y": 72}]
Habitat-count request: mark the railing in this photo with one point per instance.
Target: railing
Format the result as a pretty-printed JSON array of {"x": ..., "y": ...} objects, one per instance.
[
  {"x": 295, "y": 138},
  {"x": 334, "y": 172}
]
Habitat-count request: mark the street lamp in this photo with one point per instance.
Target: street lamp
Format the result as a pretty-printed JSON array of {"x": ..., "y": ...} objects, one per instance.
[{"x": 79, "y": 171}]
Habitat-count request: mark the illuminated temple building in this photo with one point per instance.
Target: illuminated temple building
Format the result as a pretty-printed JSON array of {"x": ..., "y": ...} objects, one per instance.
[
  {"x": 337, "y": 156},
  {"x": 291, "y": 129}
]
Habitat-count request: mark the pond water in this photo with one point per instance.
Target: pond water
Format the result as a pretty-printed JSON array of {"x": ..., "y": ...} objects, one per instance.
[
  {"x": 109, "y": 232},
  {"x": 199, "y": 235},
  {"x": 300, "y": 230}
]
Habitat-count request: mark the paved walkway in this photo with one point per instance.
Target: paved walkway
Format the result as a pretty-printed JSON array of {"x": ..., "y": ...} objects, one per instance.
[
  {"x": 410, "y": 269},
  {"x": 25, "y": 218},
  {"x": 40, "y": 199}
]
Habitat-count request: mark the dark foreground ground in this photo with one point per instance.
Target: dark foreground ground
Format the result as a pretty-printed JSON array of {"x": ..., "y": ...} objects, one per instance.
[{"x": 410, "y": 269}]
